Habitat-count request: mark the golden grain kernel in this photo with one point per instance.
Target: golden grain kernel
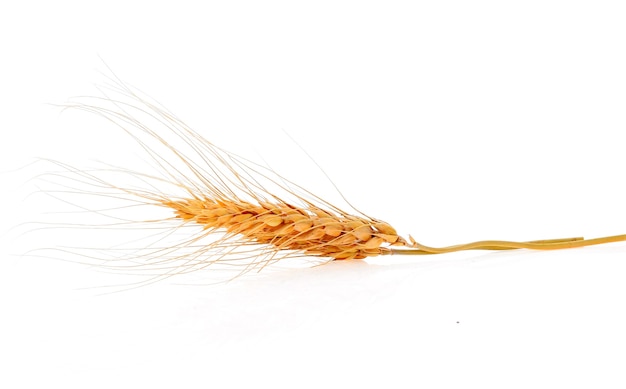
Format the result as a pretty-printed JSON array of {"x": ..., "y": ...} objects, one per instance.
[
  {"x": 344, "y": 240},
  {"x": 312, "y": 234},
  {"x": 348, "y": 254},
  {"x": 333, "y": 229},
  {"x": 290, "y": 211},
  {"x": 373, "y": 243},
  {"x": 322, "y": 221},
  {"x": 224, "y": 219},
  {"x": 303, "y": 225},
  {"x": 388, "y": 238},
  {"x": 256, "y": 210},
  {"x": 354, "y": 224},
  {"x": 267, "y": 206},
  {"x": 363, "y": 233},
  {"x": 385, "y": 228},
  {"x": 296, "y": 217},
  {"x": 271, "y": 220},
  {"x": 285, "y": 229}
]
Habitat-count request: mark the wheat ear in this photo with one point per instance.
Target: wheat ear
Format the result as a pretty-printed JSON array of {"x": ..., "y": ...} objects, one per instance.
[{"x": 250, "y": 210}]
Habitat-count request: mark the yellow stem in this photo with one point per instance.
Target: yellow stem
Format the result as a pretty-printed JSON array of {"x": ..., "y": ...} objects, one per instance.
[{"x": 550, "y": 244}]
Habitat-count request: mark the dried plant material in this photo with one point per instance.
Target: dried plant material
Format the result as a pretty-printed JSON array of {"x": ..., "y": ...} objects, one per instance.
[{"x": 244, "y": 214}]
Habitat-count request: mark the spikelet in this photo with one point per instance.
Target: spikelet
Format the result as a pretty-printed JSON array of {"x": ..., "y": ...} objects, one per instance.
[{"x": 253, "y": 215}]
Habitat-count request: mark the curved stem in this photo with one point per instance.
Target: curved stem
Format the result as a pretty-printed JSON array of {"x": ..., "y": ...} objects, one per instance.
[{"x": 550, "y": 244}]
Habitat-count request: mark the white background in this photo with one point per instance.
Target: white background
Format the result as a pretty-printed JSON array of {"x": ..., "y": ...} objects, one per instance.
[{"x": 452, "y": 120}]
